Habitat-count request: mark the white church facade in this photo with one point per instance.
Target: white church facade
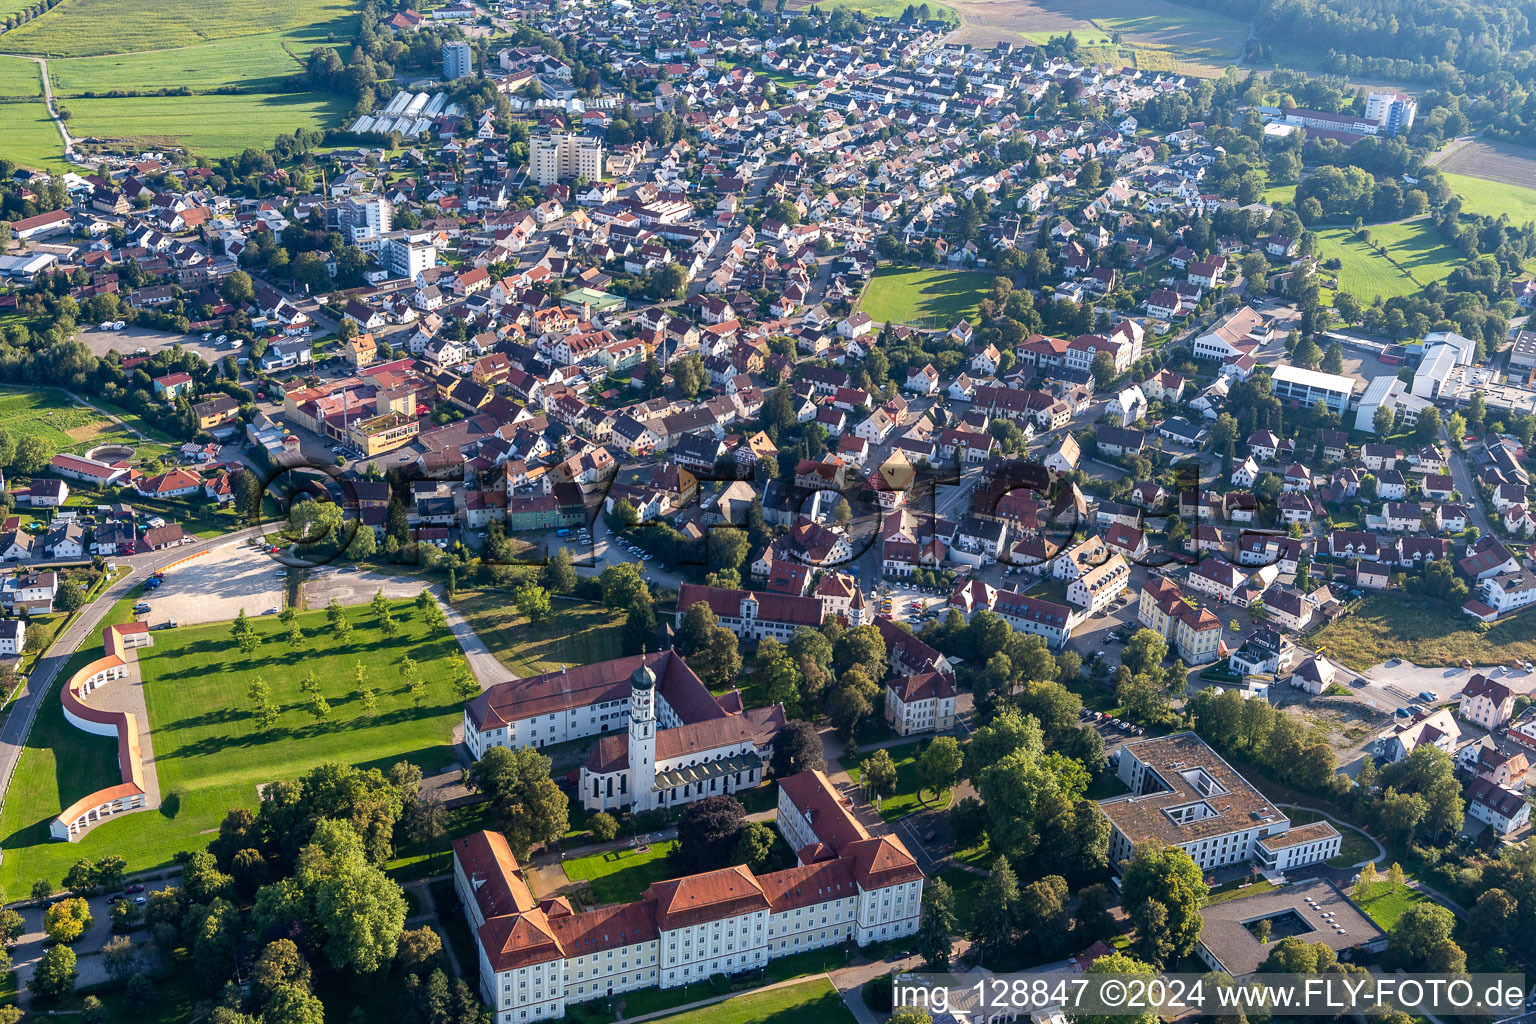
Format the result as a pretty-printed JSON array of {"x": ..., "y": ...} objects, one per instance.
[{"x": 664, "y": 739}]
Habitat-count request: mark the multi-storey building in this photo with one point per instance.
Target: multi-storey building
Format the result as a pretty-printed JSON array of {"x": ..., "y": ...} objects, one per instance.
[
  {"x": 752, "y": 615},
  {"x": 537, "y": 957},
  {"x": 922, "y": 702},
  {"x": 1194, "y": 632},
  {"x": 458, "y": 60},
  {"x": 1182, "y": 793},
  {"x": 553, "y": 157}
]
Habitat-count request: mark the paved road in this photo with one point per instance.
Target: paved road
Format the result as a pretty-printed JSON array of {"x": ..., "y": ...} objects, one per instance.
[{"x": 1461, "y": 475}]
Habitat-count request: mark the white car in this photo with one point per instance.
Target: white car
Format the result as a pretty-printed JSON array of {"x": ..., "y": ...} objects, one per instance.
[{"x": 207, "y": 335}]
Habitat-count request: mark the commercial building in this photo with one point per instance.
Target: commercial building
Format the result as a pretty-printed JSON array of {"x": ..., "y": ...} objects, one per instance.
[
  {"x": 407, "y": 255},
  {"x": 537, "y": 958},
  {"x": 1182, "y": 793},
  {"x": 1194, "y": 632},
  {"x": 1307, "y": 387},
  {"x": 554, "y": 157}
]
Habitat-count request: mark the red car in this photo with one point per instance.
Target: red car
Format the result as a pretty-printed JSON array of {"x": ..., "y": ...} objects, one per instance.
[{"x": 134, "y": 888}]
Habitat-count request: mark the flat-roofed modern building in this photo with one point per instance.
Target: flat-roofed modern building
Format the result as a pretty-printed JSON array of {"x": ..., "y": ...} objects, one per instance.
[
  {"x": 1314, "y": 910},
  {"x": 1307, "y": 387},
  {"x": 1182, "y": 793}
]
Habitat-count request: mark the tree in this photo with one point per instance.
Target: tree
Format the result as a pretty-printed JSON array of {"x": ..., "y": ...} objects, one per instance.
[
  {"x": 54, "y": 975},
  {"x": 291, "y": 1004},
  {"x": 1417, "y": 935},
  {"x": 1395, "y": 877},
  {"x": 337, "y": 617},
  {"x": 67, "y": 920},
  {"x": 359, "y": 911},
  {"x": 1119, "y": 964},
  {"x": 604, "y": 826},
  {"x": 120, "y": 958},
  {"x": 754, "y": 846},
  {"x": 938, "y": 766},
  {"x": 797, "y": 748},
  {"x": 108, "y": 872},
  {"x": 879, "y": 773},
  {"x": 559, "y": 576},
  {"x": 1333, "y": 361},
  {"x": 528, "y": 806},
  {"x": 1381, "y": 421},
  {"x": 1307, "y": 355},
  {"x": 1363, "y": 883},
  {"x": 81, "y": 877},
  {"x": 1144, "y": 653},
  {"x": 707, "y": 832},
  {"x": 1163, "y": 891},
  {"x": 994, "y": 918},
  {"x": 717, "y": 661},
  {"x": 1043, "y": 904},
  {"x": 532, "y": 602},
  {"x": 938, "y": 924}
]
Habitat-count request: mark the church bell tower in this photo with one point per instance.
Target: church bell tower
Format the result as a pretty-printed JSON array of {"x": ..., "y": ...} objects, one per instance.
[{"x": 642, "y": 739}]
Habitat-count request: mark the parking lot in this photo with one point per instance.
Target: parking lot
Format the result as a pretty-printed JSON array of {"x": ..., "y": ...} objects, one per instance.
[
  {"x": 130, "y": 339},
  {"x": 215, "y": 586}
]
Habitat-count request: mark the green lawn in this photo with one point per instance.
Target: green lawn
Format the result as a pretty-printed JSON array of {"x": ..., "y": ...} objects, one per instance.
[
  {"x": 221, "y": 125},
  {"x": 1384, "y": 906},
  {"x": 890, "y": 8},
  {"x": 83, "y": 28},
  {"x": 1417, "y": 247},
  {"x": 1280, "y": 194},
  {"x": 1355, "y": 847},
  {"x": 905, "y": 800},
  {"x": 20, "y": 77},
  {"x": 935, "y": 298},
  {"x": 43, "y": 784},
  {"x": 31, "y": 137},
  {"x": 1494, "y": 197},
  {"x": 577, "y": 633},
  {"x": 211, "y": 754},
  {"x": 810, "y": 1002},
  {"x": 621, "y": 876},
  {"x": 1422, "y": 630}
]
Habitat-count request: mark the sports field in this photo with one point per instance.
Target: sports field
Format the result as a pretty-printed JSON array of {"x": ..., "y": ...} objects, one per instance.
[
  {"x": 83, "y": 28},
  {"x": 932, "y": 298},
  {"x": 210, "y": 751},
  {"x": 1479, "y": 195},
  {"x": 221, "y": 125},
  {"x": 1417, "y": 248}
]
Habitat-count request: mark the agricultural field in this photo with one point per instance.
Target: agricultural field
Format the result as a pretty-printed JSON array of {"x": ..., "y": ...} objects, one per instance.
[
  {"x": 935, "y": 298},
  {"x": 84, "y": 28},
  {"x": 254, "y": 62},
  {"x": 51, "y": 415},
  {"x": 1417, "y": 248},
  {"x": 1479, "y": 195},
  {"x": 20, "y": 77},
  {"x": 1502, "y": 162},
  {"x": 214, "y": 126},
  {"x": 1160, "y": 35},
  {"x": 210, "y": 752}
]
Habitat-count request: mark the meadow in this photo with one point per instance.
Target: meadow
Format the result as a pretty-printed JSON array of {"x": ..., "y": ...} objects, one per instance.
[
  {"x": 1422, "y": 630},
  {"x": 1479, "y": 195},
  {"x": 934, "y": 298},
  {"x": 254, "y": 62},
  {"x": 810, "y": 1002},
  {"x": 29, "y": 137},
  {"x": 217, "y": 125},
  {"x": 1417, "y": 247},
  {"x": 20, "y": 77},
  {"x": 84, "y": 28},
  {"x": 51, "y": 415},
  {"x": 210, "y": 752}
]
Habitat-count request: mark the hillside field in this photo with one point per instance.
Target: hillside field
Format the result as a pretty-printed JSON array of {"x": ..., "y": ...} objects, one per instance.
[
  {"x": 252, "y": 62},
  {"x": 83, "y": 28},
  {"x": 216, "y": 125}
]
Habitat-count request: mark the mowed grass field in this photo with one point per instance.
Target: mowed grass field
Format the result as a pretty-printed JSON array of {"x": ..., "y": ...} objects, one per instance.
[
  {"x": 20, "y": 77},
  {"x": 213, "y": 126},
  {"x": 623, "y": 875},
  {"x": 59, "y": 765},
  {"x": 1417, "y": 247},
  {"x": 211, "y": 753},
  {"x": 576, "y": 632},
  {"x": 84, "y": 28},
  {"x": 810, "y": 1002},
  {"x": 50, "y": 415},
  {"x": 1479, "y": 195},
  {"x": 253, "y": 62},
  {"x": 935, "y": 298},
  {"x": 29, "y": 136}
]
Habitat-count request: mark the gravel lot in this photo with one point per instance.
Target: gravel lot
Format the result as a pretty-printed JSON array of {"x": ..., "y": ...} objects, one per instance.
[
  {"x": 130, "y": 339},
  {"x": 215, "y": 586},
  {"x": 349, "y": 585}
]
